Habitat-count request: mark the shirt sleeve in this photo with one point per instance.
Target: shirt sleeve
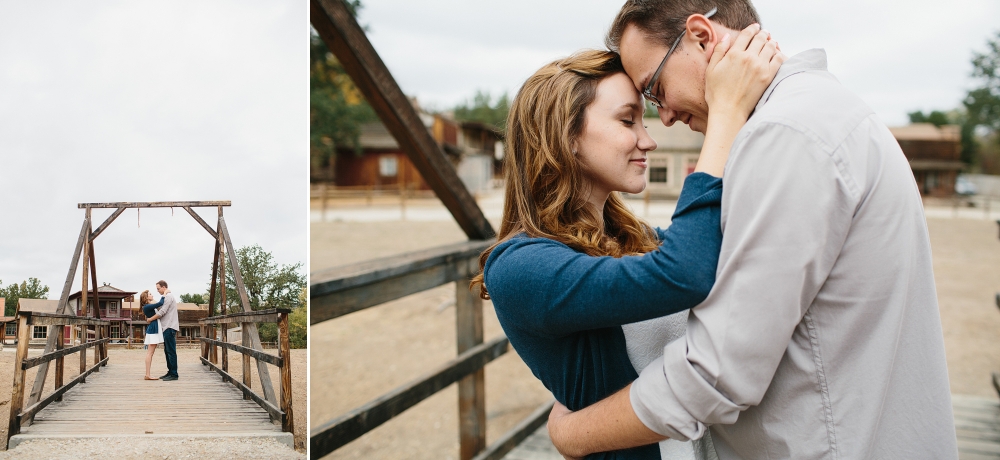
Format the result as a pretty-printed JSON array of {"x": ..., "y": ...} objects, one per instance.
[
  {"x": 552, "y": 290},
  {"x": 787, "y": 208}
]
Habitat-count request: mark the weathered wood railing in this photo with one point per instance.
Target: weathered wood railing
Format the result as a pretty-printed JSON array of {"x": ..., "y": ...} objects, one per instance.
[
  {"x": 26, "y": 322},
  {"x": 279, "y": 411},
  {"x": 342, "y": 290}
]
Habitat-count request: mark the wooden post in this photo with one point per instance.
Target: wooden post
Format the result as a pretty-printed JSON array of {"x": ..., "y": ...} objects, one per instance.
[
  {"x": 59, "y": 361},
  {"x": 216, "y": 258},
  {"x": 84, "y": 329},
  {"x": 262, "y": 370},
  {"x": 472, "y": 388},
  {"x": 50, "y": 344},
  {"x": 225, "y": 351},
  {"x": 286, "y": 373},
  {"x": 17, "y": 393},
  {"x": 222, "y": 294},
  {"x": 97, "y": 349},
  {"x": 244, "y": 340}
]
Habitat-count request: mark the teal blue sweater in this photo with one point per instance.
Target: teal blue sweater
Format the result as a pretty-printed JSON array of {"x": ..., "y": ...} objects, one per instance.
[{"x": 562, "y": 309}]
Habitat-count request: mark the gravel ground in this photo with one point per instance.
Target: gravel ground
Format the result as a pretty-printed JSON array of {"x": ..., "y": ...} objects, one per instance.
[
  {"x": 365, "y": 354},
  {"x": 129, "y": 448}
]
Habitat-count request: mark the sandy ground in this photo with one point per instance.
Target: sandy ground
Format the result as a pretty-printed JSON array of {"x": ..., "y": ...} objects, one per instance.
[
  {"x": 363, "y": 355},
  {"x": 123, "y": 448}
]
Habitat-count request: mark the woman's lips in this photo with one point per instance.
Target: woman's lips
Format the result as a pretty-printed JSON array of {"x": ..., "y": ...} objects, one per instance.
[{"x": 639, "y": 161}]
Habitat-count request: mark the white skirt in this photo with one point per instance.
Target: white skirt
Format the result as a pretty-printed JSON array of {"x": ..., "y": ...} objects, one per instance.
[{"x": 153, "y": 339}]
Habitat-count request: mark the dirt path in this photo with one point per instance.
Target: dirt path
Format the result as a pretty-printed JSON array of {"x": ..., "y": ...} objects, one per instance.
[{"x": 364, "y": 355}]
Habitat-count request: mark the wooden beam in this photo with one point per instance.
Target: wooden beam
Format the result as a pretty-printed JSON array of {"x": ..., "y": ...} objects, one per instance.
[
  {"x": 271, "y": 409},
  {"x": 202, "y": 222},
  {"x": 106, "y": 223},
  {"x": 256, "y": 316},
  {"x": 472, "y": 388},
  {"x": 50, "y": 342},
  {"x": 32, "y": 362},
  {"x": 345, "y": 38},
  {"x": 93, "y": 277},
  {"x": 516, "y": 435},
  {"x": 288, "y": 424},
  {"x": 262, "y": 371},
  {"x": 266, "y": 357},
  {"x": 36, "y": 318},
  {"x": 155, "y": 204},
  {"x": 17, "y": 391},
  {"x": 338, "y": 291},
  {"x": 336, "y": 433}
]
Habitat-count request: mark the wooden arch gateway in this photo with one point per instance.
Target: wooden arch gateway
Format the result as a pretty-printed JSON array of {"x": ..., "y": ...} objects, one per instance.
[
  {"x": 339, "y": 291},
  {"x": 278, "y": 410}
]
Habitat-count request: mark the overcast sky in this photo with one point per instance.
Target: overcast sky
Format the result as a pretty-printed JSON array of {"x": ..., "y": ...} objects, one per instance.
[
  {"x": 898, "y": 55},
  {"x": 151, "y": 101}
]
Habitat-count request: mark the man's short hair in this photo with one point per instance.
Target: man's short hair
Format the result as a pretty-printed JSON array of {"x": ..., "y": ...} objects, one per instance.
[
  {"x": 161, "y": 283},
  {"x": 664, "y": 20}
]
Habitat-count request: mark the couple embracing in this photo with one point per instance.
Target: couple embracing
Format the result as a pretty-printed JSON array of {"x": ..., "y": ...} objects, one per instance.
[
  {"x": 788, "y": 311},
  {"x": 162, "y": 328}
]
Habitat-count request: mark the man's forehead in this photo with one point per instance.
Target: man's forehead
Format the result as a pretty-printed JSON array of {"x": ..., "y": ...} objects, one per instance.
[{"x": 638, "y": 52}]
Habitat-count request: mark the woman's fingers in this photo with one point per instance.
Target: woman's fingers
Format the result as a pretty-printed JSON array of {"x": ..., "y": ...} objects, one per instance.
[
  {"x": 745, "y": 36},
  {"x": 758, "y": 42},
  {"x": 719, "y": 51}
]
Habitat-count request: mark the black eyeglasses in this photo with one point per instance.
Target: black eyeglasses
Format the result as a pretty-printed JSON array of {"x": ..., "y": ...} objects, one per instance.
[{"x": 648, "y": 92}]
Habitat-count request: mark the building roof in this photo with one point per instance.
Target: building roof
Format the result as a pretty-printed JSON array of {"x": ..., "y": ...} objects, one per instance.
[
  {"x": 38, "y": 305},
  {"x": 191, "y": 306},
  {"x": 927, "y": 132},
  {"x": 675, "y": 138},
  {"x": 111, "y": 291},
  {"x": 376, "y": 136}
]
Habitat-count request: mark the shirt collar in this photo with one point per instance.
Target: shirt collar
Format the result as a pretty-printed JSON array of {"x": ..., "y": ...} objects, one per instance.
[{"x": 814, "y": 59}]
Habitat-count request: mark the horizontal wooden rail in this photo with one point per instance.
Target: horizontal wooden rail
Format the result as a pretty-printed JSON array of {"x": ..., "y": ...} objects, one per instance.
[
  {"x": 516, "y": 435},
  {"x": 338, "y": 432},
  {"x": 51, "y": 319},
  {"x": 32, "y": 362},
  {"x": 337, "y": 291},
  {"x": 276, "y": 413},
  {"x": 31, "y": 411},
  {"x": 267, "y": 358},
  {"x": 258, "y": 316},
  {"x": 155, "y": 204}
]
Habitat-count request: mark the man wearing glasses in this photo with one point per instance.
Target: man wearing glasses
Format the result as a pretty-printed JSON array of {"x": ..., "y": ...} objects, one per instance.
[{"x": 821, "y": 338}]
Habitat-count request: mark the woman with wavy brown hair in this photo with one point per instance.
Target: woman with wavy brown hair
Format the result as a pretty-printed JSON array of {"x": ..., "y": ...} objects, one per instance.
[{"x": 572, "y": 264}]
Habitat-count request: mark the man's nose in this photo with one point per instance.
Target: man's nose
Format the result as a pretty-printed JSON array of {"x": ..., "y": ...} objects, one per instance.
[{"x": 667, "y": 116}]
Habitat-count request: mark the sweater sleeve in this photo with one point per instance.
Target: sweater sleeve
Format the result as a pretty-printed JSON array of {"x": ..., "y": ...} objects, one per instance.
[{"x": 552, "y": 290}]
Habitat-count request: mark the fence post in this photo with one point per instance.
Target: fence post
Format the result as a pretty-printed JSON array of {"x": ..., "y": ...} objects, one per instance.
[
  {"x": 97, "y": 347},
  {"x": 244, "y": 340},
  {"x": 288, "y": 423},
  {"x": 17, "y": 393},
  {"x": 84, "y": 330},
  {"x": 472, "y": 388},
  {"x": 225, "y": 352},
  {"x": 61, "y": 330}
]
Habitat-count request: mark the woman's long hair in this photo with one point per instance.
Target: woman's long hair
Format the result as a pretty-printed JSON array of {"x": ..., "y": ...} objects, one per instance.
[
  {"x": 546, "y": 190},
  {"x": 145, "y": 298}
]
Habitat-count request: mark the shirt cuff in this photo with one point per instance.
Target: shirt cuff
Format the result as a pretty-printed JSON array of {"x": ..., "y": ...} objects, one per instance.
[{"x": 656, "y": 406}]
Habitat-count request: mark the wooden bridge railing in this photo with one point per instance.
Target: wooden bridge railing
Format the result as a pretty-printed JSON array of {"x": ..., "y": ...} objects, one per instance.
[
  {"x": 282, "y": 411},
  {"x": 342, "y": 290},
  {"x": 26, "y": 322}
]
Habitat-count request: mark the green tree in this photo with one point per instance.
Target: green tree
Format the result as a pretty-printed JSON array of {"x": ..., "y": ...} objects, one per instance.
[
  {"x": 483, "y": 109},
  {"x": 336, "y": 107},
  {"x": 30, "y": 289},
  {"x": 983, "y": 103},
  {"x": 936, "y": 118},
  {"x": 193, "y": 298},
  {"x": 268, "y": 285}
]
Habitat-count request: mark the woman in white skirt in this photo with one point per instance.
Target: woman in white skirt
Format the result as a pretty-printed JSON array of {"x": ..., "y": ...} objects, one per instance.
[{"x": 154, "y": 334}]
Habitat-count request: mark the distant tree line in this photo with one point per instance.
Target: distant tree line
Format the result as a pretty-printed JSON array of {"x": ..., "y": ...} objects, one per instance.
[{"x": 979, "y": 113}]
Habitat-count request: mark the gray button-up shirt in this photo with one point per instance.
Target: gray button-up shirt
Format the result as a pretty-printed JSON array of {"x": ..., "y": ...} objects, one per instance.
[
  {"x": 168, "y": 313},
  {"x": 822, "y": 336}
]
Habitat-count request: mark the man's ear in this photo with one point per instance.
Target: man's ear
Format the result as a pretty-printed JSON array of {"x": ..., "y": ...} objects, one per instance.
[{"x": 701, "y": 32}]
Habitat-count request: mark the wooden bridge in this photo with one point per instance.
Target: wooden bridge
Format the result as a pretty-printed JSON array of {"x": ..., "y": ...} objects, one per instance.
[{"x": 116, "y": 401}]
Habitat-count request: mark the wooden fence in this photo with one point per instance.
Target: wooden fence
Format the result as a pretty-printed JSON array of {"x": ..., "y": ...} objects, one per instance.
[
  {"x": 279, "y": 411},
  {"x": 26, "y": 321},
  {"x": 342, "y": 290}
]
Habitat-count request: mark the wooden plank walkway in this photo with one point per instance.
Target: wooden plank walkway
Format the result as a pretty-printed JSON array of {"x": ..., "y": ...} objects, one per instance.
[
  {"x": 977, "y": 423},
  {"x": 117, "y": 402}
]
